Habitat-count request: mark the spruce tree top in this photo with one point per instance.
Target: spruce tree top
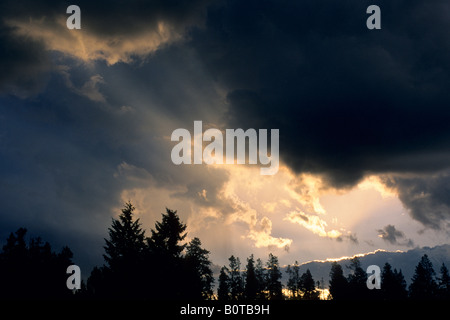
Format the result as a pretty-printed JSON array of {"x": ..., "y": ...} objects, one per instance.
[
  {"x": 126, "y": 238},
  {"x": 167, "y": 234}
]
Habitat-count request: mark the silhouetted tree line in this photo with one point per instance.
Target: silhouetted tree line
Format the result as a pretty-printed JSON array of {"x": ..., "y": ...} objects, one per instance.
[
  {"x": 425, "y": 285},
  {"x": 162, "y": 266},
  {"x": 256, "y": 282},
  {"x": 260, "y": 281},
  {"x": 32, "y": 270},
  {"x": 301, "y": 287}
]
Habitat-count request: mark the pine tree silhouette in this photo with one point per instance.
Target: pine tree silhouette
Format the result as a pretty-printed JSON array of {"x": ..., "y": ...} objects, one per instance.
[
  {"x": 168, "y": 234},
  {"x": 307, "y": 286},
  {"x": 197, "y": 260},
  {"x": 393, "y": 285},
  {"x": 251, "y": 283},
  {"x": 357, "y": 288},
  {"x": 293, "y": 283},
  {"x": 171, "y": 275},
  {"x": 261, "y": 280},
  {"x": 274, "y": 286},
  {"x": 236, "y": 280},
  {"x": 444, "y": 283},
  {"x": 223, "y": 291},
  {"x": 126, "y": 239},
  {"x": 423, "y": 285},
  {"x": 338, "y": 283},
  {"x": 125, "y": 253}
]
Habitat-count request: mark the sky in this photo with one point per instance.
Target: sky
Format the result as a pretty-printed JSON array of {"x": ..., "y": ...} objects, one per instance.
[{"x": 86, "y": 118}]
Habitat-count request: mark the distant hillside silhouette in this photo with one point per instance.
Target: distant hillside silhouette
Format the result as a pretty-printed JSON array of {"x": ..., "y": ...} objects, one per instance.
[{"x": 406, "y": 261}]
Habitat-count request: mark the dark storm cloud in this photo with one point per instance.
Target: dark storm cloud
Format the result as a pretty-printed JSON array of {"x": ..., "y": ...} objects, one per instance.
[
  {"x": 348, "y": 101},
  {"x": 426, "y": 197},
  {"x": 23, "y": 63},
  {"x": 394, "y": 236},
  {"x": 110, "y": 17},
  {"x": 30, "y": 29}
]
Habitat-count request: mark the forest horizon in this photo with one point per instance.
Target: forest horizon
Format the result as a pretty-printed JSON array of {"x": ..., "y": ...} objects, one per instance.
[{"x": 184, "y": 271}]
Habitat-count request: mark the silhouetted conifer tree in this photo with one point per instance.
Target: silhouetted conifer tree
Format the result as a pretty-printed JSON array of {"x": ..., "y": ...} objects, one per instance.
[
  {"x": 293, "y": 283},
  {"x": 393, "y": 284},
  {"x": 223, "y": 291},
  {"x": 168, "y": 234},
  {"x": 307, "y": 286},
  {"x": 444, "y": 283},
  {"x": 274, "y": 286},
  {"x": 197, "y": 260},
  {"x": 261, "y": 280},
  {"x": 251, "y": 283},
  {"x": 338, "y": 283},
  {"x": 126, "y": 240},
  {"x": 357, "y": 287},
  {"x": 423, "y": 285},
  {"x": 170, "y": 274},
  {"x": 125, "y": 251},
  {"x": 236, "y": 280}
]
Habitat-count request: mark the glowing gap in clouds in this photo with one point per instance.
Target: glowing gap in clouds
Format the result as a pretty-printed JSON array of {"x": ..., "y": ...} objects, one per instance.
[
  {"x": 89, "y": 47},
  {"x": 313, "y": 223},
  {"x": 251, "y": 213}
]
